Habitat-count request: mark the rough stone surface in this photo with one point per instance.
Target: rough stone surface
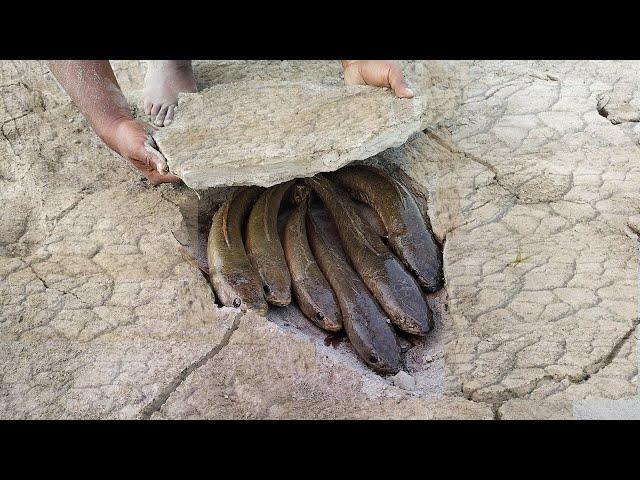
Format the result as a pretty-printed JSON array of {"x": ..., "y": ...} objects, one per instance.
[
  {"x": 264, "y": 132},
  {"x": 531, "y": 187}
]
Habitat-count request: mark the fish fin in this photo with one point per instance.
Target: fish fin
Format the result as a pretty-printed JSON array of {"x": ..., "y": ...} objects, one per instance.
[
  {"x": 192, "y": 260},
  {"x": 361, "y": 228},
  {"x": 265, "y": 224},
  {"x": 225, "y": 229}
]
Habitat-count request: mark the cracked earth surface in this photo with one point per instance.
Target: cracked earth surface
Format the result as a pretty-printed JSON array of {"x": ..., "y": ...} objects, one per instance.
[{"x": 532, "y": 175}]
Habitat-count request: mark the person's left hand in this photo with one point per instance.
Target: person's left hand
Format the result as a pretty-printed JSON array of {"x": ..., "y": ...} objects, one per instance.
[{"x": 379, "y": 73}]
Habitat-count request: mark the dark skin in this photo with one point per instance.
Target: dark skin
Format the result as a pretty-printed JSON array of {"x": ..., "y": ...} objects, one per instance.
[{"x": 93, "y": 87}]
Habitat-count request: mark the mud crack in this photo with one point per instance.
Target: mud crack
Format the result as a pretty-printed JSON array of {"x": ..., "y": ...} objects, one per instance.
[
  {"x": 158, "y": 402},
  {"x": 616, "y": 112},
  {"x": 471, "y": 157},
  {"x": 48, "y": 287},
  {"x": 592, "y": 369}
]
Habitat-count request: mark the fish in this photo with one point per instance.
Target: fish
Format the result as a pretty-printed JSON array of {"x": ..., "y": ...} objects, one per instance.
[
  {"x": 233, "y": 277},
  {"x": 370, "y": 217},
  {"x": 312, "y": 292},
  {"x": 407, "y": 232},
  {"x": 264, "y": 247},
  {"x": 367, "y": 326},
  {"x": 396, "y": 290}
]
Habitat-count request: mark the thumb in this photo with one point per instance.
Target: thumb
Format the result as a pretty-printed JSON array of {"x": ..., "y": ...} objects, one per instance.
[
  {"x": 152, "y": 156},
  {"x": 398, "y": 82}
]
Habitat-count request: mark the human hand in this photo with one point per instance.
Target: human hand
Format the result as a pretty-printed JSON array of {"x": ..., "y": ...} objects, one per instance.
[
  {"x": 379, "y": 73},
  {"x": 132, "y": 140}
]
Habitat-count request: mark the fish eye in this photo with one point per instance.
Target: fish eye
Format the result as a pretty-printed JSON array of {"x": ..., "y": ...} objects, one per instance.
[
  {"x": 319, "y": 316},
  {"x": 267, "y": 290},
  {"x": 373, "y": 358},
  {"x": 237, "y": 302}
]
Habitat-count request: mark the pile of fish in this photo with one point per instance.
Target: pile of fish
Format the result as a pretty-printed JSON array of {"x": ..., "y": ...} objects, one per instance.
[{"x": 355, "y": 251}]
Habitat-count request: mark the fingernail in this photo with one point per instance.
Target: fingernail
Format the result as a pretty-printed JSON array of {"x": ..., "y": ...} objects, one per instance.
[{"x": 410, "y": 92}]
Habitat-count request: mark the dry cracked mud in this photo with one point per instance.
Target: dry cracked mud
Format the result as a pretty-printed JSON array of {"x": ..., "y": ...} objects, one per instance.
[{"x": 531, "y": 170}]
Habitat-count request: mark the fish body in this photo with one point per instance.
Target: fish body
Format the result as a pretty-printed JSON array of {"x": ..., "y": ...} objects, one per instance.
[
  {"x": 264, "y": 248},
  {"x": 386, "y": 277},
  {"x": 234, "y": 279},
  {"x": 366, "y": 324},
  {"x": 313, "y": 293},
  {"x": 408, "y": 234},
  {"x": 371, "y": 218}
]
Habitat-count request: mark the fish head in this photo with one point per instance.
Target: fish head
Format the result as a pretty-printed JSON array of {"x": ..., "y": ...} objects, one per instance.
[
  {"x": 299, "y": 193},
  {"x": 423, "y": 259},
  {"x": 380, "y": 350},
  {"x": 251, "y": 300},
  {"x": 278, "y": 290},
  {"x": 243, "y": 293},
  {"x": 384, "y": 361}
]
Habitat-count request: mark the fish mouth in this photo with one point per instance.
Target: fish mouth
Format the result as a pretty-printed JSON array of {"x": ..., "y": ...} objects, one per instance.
[
  {"x": 416, "y": 324},
  {"x": 333, "y": 328},
  {"x": 439, "y": 280},
  {"x": 251, "y": 304},
  {"x": 279, "y": 302},
  {"x": 415, "y": 328},
  {"x": 260, "y": 308},
  {"x": 277, "y": 298},
  {"x": 381, "y": 365},
  {"x": 329, "y": 324},
  {"x": 429, "y": 283}
]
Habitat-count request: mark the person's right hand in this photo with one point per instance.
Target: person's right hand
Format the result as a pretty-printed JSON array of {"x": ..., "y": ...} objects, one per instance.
[{"x": 132, "y": 140}]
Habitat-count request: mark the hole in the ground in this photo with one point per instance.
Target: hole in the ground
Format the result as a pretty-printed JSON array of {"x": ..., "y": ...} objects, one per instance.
[{"x": 421, "y": 356}]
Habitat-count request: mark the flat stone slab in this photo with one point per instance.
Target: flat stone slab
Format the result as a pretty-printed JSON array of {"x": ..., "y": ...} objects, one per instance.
[{"x": 267, "y": 132}]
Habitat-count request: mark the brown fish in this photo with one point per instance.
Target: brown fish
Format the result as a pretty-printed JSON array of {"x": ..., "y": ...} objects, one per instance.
[
  {"x": 407, "y": 231},
  {"x": 235, "y": 281},
  {"x": 367, "y": 326},
  {"x": 371, "y": 218},
  {"x": 391, "y": 284},
  {"x": 310, "y": 287},
  {"x": 264, "y": 248}
]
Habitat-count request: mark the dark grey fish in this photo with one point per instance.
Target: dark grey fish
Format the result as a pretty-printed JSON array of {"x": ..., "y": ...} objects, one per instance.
[
  {"x": 386, "y": 277},
  {"x": 366, "y": 324},
  {"x": 313, "y": 293},
  {"x": 407, "y": 231},
  {"x": 264, "y": 247}
]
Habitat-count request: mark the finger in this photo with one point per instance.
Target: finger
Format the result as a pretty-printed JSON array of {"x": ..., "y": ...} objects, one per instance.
[
  {"x": 169, "y": 118},
  {"x": 154, "y": 110},
  {"x": 353, "y": 76},
  {"x": 156, "y": 178},
  {"x": 152, "y": 156},
  {"x": 398, "y": 83},
  {"x": 159, "y": 121},
  {"x": 147, "y": 107}
]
